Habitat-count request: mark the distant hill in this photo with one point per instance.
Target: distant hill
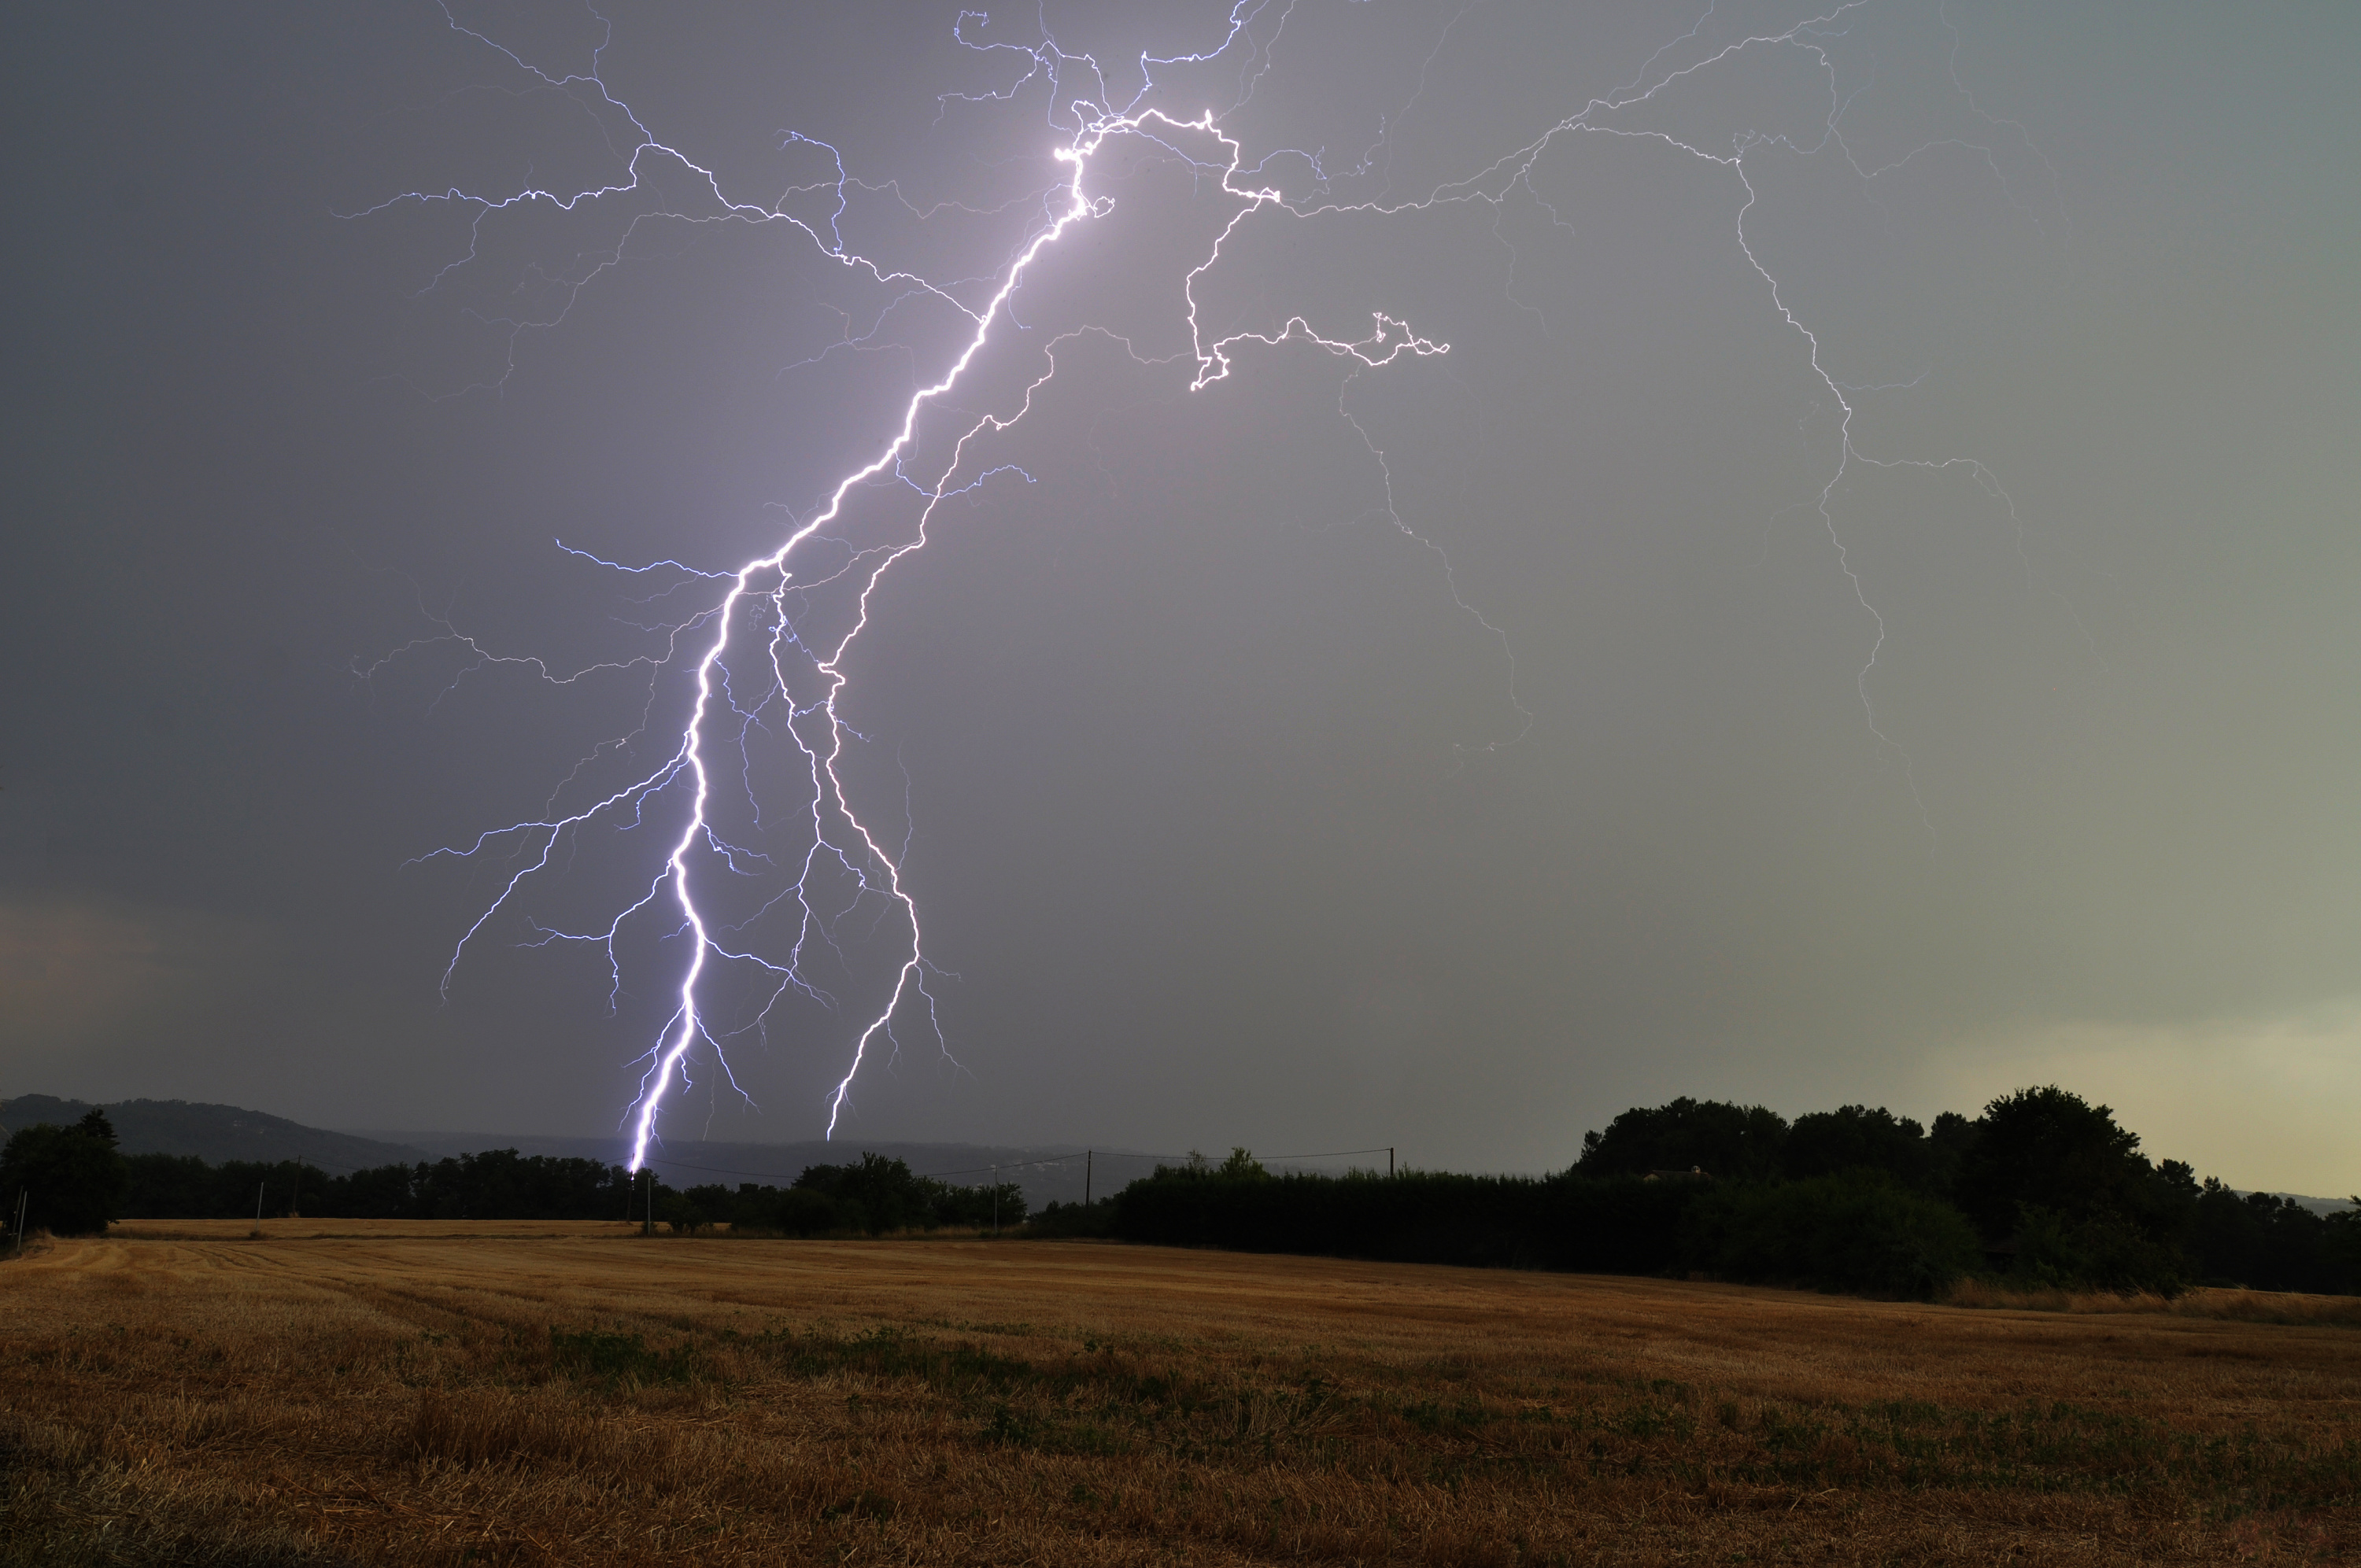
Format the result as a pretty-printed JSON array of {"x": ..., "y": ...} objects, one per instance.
[
  {"x": 213, "y": 1133},
  {"x": 2318, "y": 1205}
]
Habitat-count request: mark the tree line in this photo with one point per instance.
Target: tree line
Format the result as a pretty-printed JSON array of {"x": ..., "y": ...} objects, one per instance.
[
  {"x": 2042, "y": 1189},
  {"x": 75, "y": 1181},
  {"x": 873, "y": 1195}
]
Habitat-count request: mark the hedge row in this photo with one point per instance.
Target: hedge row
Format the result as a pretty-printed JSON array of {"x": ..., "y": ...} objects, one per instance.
[{"x": 1857, "y": 1232}]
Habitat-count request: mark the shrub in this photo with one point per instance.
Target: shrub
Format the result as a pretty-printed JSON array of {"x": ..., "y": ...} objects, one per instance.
[
  {"x": 1614, "y": 1226},
  {"x": 1067, "y": 1220},
  {"x": 804, "y": 1211},
  {"x": 1861, "y": 1231},
  {"x": 2098, "y": 1249}
]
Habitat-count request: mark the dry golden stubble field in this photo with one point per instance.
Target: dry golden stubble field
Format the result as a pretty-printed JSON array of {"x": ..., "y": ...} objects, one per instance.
[{"x": 352, "y": 1392}]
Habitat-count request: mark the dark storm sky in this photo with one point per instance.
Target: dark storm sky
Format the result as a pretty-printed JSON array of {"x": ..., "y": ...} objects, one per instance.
[{"x": 1222, "y": 810}]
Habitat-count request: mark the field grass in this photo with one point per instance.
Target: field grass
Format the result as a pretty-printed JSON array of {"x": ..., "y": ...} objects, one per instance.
[
  {"x": 355, "y": 1392},
  {"x": 2239, "y": 1305}
]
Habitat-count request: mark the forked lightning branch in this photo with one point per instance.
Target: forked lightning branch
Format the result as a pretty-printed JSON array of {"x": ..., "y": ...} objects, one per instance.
[{"x": 765, "y": 655}]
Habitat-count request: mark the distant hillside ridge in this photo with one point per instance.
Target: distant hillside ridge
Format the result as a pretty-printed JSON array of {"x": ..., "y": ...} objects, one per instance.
[
  {"x": 2317, "y": 1205},
  {"x": 213, "y": 1133}
]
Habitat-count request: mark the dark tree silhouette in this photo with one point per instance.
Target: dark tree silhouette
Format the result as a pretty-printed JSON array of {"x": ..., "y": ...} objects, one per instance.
[
  {"x": 72, "y": 1178},
  {"x": 1853, "y": 1137},
  {"x": 1723, "y": 1140},
  {"x": 2051, "y": 1149},
  {"x": 1948, "y": 1143},
  {"x": 880, "y": 1195}
]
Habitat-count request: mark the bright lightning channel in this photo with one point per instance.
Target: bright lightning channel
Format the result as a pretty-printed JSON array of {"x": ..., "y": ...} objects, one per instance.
[{"x": 771, "y": 584}]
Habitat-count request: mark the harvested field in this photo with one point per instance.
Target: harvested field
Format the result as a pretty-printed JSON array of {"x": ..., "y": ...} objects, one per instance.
[{"x": 351, "y": 1392}]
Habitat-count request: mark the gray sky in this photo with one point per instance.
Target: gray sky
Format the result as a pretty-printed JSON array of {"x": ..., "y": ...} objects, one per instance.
[{"x": 1227, "y": 818}]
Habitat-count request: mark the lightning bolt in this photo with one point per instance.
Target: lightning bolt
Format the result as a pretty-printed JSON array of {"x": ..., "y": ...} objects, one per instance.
[{"x": 762, "y": 658}]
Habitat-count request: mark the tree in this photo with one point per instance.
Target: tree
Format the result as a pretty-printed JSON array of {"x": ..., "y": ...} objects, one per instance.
[
  {"x": 2172, "y": 1196},
  {"x": 2050, "y": 1149},
  {"x": 2261, "y": 1241},
  {"x": 682, "y": 1212},
  {"x": 980, "y": 1205},
  {"x": 74, "y": 1179},
  {"x": 1853, "y": 1137},
  {"x": 1948, "y": 1143},
  {"x": 1719, "y": 1138},
  {"x": 1241, "y": 1166},
  {"x": 2340, "y": 1249},
  {"x": 877, "y": 1195}
]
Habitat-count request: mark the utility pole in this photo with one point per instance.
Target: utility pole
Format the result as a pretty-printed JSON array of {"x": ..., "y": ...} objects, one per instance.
[
  {"x": 23, "y": 1198},
  {"x": 257, "y": 1201},
  {"x": 648, "y": 1220},
  {"x": 1087, "y": 1155},
  {"x": 995, "y": 1200},
  {"x": 1390, "y": 1159}
]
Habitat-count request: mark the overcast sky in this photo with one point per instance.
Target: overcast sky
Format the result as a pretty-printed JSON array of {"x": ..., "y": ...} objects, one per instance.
[{"x": 2015, "y": 743}]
